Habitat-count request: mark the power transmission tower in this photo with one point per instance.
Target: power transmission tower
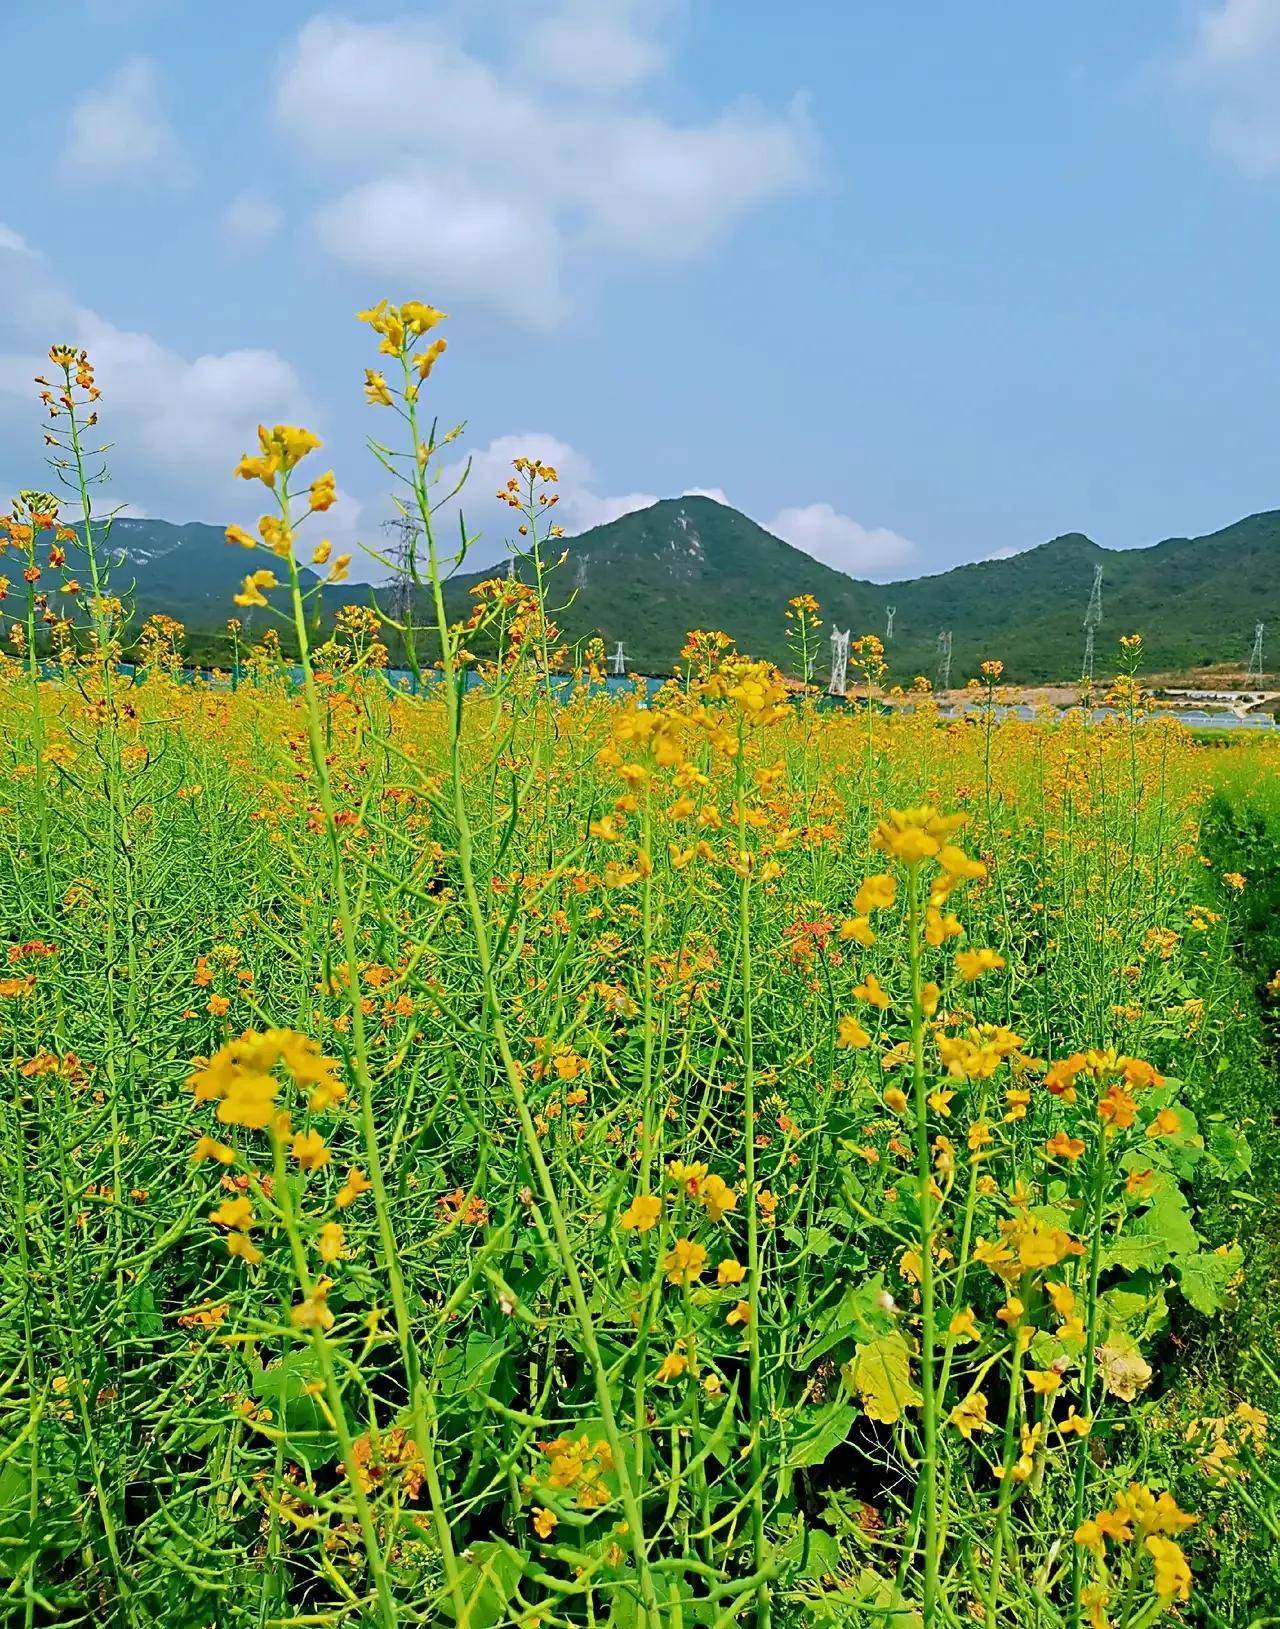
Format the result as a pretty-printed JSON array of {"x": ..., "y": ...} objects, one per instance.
[
  {"x": 839, "y": 662},
  {"x": 890, "y": 612},
  {"x": 942, "y": 679},
  {"x": 401, "y": 552},
  {"x": 1092, "y": 618},
  {"x": 618, "y": 662},
  {"x": 580, "y": 572},
  {"x": 1253, "y": 679}
]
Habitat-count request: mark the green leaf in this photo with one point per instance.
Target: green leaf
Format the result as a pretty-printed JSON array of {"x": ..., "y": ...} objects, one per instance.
[
  {"x": 469, "y": 1367},
  {"x": 823, "y": 1429},
  {"x": 1170, "y": 1219},
  {"x": 1203, "y": 1277},
  {"x": 1162, "y": 1231},
  {"x": 1138, "y": 1306},
  {"x": 489, "y": 1574},
  {"x": 283, "y": 1387},
  {"x": 809, "y": 1553},
  {"x": 1136, "y": 1250},
  {"x": 1230, "y": 1150},
  {"x": 142, "y": 1305},
  {"x": 880, "y": 1373},
  {"x": 15, "y": 1495},
  {"x": 716, "y": 1442},
  {"x": 857, "y": 1316},
  {"x": 865, "y": 1599}
]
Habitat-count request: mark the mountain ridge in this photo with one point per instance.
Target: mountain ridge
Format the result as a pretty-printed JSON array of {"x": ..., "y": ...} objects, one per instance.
[{"x": 649, "y": 576}]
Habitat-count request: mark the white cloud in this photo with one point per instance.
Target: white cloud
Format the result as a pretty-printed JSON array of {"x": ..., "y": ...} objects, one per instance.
[
  {"x": 717, "y": 494},
  {"x": 431, "y": 232},
  {"x": 251, "y": 221},
  {"x": 119, "y": 132},
  {"x": 177, "y": 423},
  {"x": 1232, "y": 67},
  {"x": 589, "y": 510},
  {"x": 600, "y": 47},
  {"x": 665, "y": 194},
  {"x": 466, "y": 185},
  {"x": 839, "y": 541},
  {"x": 580, "y": 507}
]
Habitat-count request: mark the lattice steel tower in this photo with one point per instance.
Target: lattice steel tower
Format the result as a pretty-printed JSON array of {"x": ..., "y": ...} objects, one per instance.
[
  {"x": 890, "y": 612},
  {"x": 942, "y": 678},
  {"x": 404, "y": 531},
  {"x": 839, "y": 662},
  {"x": 1092, "y": 618},
  {"x": 1254, "y": 676},
  {"x": 618, "y": 662}
]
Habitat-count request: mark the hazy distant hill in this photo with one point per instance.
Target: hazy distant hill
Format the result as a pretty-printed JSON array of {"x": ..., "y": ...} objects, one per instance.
[{"x": 691, "y": 562}]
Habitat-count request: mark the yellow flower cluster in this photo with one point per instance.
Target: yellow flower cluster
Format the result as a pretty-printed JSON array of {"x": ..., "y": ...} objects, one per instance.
[
  {"x": 281, "y": 449},
  {"x": 240, "y": 1078},
  {"x": 579, "y": 1466},
  {"x": 916, "y": 835},
  {"x": 1223, "y": 1439},
  {"x": 1139, "y": 1515}
]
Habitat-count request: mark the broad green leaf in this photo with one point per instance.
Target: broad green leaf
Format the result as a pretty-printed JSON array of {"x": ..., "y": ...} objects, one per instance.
[
  {"x": 857, "y": 1316},
  {"x": 1203, "y": 1277},
  {"x": 1138, "y": 1306},
  {"x": 1170, "y": 1219},
  {"x": 1163, "y": 1230},
  {"x": 809, "y": 1553},
  {"x": 489, "y": 1574},
  {"x": 284, "y": 1387},
  {"x": 1230, "y": 1150},
  {"x": 470, "y": 1367},
  {"x": 821, "y": 1430},
  {"x": 1135, "y": 1250},
  {"x": 880, "y": 1374}
]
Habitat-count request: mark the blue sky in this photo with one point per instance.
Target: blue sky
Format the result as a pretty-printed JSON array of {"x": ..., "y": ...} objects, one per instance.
[{"x": 911, "y": 284}]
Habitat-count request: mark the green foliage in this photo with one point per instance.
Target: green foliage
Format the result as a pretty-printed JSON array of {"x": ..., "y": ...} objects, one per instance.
[{"x": 650, "y": 576}]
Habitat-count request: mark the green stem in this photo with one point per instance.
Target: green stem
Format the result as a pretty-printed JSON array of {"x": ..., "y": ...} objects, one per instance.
[{"x": 928, "y": 1314}]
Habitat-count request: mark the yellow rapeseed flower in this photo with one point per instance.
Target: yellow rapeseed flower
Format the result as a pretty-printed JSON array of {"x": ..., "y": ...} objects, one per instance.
[
  {"x": 970, "y": 1416},
  {"x": 672, "y": 1367},
  {"x": 310, "y": 1150},
  {"x": 684, "y": 1262},
  {"x": 356, "y": 1184},
  {"x": 850, "y": 1033},
  {"x": 641, "y": 1214},
  {"x": 209, "y": 1148}
]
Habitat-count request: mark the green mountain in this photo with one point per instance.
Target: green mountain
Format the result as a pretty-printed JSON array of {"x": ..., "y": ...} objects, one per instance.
[
  {"x": 694, "y": 563},
  {"x": 650, "y": 576},
  {"x": 189, "y": 572}
]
